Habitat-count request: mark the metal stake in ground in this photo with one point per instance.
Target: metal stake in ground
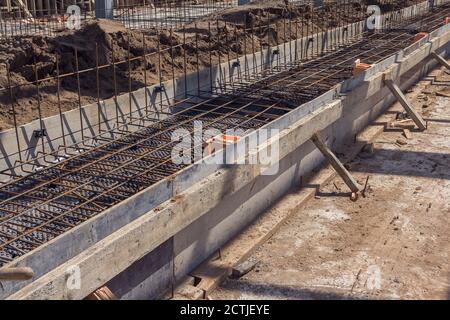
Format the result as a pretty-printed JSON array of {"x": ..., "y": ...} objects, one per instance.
[
  {"x": 397, "y": 92},
  {"x": 336, "y": 164}
]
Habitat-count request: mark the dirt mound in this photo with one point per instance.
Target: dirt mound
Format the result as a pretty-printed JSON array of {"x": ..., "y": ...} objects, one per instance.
[
  {"x": 119, "y": 52},
  {"x": 40, "y": 57}
]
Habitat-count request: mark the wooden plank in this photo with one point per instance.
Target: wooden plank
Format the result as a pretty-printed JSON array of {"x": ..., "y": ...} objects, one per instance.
[
  {"x": 33, "y": 7},
  {"x": 213, "y": 271},
  {"x": 336, "y": 164},
  {"x": 413, "y": 114}
]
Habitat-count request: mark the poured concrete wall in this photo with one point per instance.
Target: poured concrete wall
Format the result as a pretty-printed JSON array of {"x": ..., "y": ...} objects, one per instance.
[
  {"x": 238, "y": 209},
  {"x": 206, "y": 235},
  {"x": 149, "y": 274},
  {"x": 79, "y": 124},
  {"x": 68, "y": 245}
]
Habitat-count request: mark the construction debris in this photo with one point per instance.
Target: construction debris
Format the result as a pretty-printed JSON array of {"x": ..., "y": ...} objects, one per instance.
[
  {"x": 401, "y": 142},
  {"x": 242, "y": 269},
  {"x": 103, "y": 293}
]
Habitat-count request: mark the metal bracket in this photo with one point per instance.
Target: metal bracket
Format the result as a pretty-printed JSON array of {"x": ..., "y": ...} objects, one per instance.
[
  {"x": 441, "y": 60},
  {"x": 336, "y": 164},
  {"x": 397, "y": 92},
  {"x": 40, "y": 133},
  {"x": 159, "y": 88}
]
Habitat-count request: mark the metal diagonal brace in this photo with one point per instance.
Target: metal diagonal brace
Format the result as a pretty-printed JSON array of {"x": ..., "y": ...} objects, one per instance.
[
  {"x": 397, "y": 92},
  {"x": 440, "y": 60},
  {"x": 336, "y": 164}
]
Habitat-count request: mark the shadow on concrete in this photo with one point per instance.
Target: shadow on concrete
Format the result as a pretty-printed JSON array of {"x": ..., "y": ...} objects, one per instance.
[
  {"x": 274, "y": 291},
  {"x": 140, "y": 274},
  {"x": 408, "y": 163},
  {"x": 437, "y": 120},
  {"x": 400, "y": 130}
]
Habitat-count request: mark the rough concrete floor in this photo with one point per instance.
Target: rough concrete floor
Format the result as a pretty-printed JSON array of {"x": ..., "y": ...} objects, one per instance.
[{"x": 393, "y": 244}]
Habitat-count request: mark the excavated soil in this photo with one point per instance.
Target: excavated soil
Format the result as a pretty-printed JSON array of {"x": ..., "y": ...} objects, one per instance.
[{"x": 221, "y": 33}]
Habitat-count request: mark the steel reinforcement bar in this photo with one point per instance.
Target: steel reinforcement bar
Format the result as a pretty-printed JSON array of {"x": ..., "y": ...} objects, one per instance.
[{"x": 37, "y": 208}]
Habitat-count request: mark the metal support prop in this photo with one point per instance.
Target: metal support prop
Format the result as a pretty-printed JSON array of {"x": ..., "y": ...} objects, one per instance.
[
  {"x": 397, "y": 92},
  {"x": 441, "y": 60},
  {"x": 336, "y": 164}
]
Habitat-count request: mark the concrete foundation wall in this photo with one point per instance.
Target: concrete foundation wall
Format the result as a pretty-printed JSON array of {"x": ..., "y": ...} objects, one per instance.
[
  {"x": 62, "y": 248},
  {"x": 224, "y": 221},
  {"x": 206, "y": 235},
  {"x": 81, "y": 125}
]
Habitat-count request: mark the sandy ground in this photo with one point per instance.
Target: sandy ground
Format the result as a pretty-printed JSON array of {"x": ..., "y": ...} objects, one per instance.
[{"x": 393, "y": 244}]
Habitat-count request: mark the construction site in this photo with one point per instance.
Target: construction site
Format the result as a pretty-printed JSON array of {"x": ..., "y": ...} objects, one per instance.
[{"x": 224, "y": 149}]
